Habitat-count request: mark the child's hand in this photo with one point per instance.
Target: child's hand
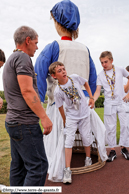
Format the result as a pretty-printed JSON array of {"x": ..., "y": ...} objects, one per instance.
[
  {"x": 91, "y": 103},
  {"x": 126, "y": 98}
]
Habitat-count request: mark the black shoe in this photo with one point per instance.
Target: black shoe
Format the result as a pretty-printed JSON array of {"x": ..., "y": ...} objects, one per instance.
[
  {"x": 111, "y": 156},
  {"x": 125, "y": 153}
]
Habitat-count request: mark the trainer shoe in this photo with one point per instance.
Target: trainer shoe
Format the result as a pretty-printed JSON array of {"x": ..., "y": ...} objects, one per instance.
[
  {"x": 111, "y": 156},
  {"x": 88, "y": 161},
  {"x": 67, "y": 175},
  {"x": 125, "y": 153}
]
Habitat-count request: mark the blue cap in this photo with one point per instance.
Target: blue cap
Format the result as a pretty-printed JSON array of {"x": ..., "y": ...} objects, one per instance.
[{"x": 67, "y": 14}]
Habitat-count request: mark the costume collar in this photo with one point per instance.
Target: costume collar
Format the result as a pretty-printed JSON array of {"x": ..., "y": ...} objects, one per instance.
[{"x": 66, "y": 38}]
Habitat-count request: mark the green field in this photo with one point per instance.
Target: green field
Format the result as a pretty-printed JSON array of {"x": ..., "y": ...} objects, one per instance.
[{"x": 5, "y": 157}]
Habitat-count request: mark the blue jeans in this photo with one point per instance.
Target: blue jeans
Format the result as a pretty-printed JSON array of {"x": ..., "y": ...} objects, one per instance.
[{"x": 29, "y": 163}]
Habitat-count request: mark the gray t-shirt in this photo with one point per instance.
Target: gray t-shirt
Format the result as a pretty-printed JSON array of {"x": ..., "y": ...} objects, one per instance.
[{"x": 19, "y": 63}]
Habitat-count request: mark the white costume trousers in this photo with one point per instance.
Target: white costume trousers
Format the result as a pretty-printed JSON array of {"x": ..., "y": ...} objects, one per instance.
[
  {"x": 110, "y": 121},
  {"x": 84, "y": 128},
  {"x": 127, "y": 114},
  {"x": 51, "y": 140}
]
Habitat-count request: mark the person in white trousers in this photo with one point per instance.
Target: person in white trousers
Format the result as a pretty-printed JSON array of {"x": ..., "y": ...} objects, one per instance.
[{"x": 111, "y": 78}]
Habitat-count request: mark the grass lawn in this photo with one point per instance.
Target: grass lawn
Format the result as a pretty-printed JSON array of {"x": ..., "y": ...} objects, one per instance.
[{"x": 5, "y": 157}]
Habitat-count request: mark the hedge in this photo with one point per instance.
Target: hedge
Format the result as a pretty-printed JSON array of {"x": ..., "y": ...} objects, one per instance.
[
  {"x": 2, "y": 95},
  {"x": 3, "y": 110},
  {"x": 99, "y": 102}
]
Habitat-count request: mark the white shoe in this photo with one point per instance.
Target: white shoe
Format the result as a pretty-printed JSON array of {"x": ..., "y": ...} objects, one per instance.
[
  {"x": 67, "y": 175},
  {"x": 88, "y": 161}
]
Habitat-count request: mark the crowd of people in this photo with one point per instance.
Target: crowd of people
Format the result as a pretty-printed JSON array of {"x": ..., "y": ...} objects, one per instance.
[{"x": 64, "y": 71}]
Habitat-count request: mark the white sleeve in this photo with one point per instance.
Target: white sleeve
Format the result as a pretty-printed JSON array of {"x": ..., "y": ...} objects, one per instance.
[
  {"x": 125, "y": 81},
  {"x": 99, "y": 82},
  {"x": 125, "y": 73},
  {"x": 58, "y": 99}
]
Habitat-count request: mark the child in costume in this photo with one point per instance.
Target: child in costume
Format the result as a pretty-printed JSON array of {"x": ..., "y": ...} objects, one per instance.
[
  {"x": 111, "y": 78},
  {"x": 126, "y": 89},
  {"x": 76, "y": 58},
  {"x": 76, "y": 112}
]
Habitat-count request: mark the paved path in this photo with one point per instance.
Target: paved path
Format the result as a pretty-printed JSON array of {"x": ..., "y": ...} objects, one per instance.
[{"x": 113, "y": 178}]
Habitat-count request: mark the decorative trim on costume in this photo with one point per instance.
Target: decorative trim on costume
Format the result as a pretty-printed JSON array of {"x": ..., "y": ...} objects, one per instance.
[
  {"x": 111, "y": 83},
  {"x": 74, "y": 97},
  {"x": 66, "y": 38}
]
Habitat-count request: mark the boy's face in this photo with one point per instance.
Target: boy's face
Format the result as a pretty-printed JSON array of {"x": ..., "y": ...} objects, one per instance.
[
  {"x": 106, "y": 63},
  {"x": 1, "y": 63},
  {"x": 60, "y": 74}
]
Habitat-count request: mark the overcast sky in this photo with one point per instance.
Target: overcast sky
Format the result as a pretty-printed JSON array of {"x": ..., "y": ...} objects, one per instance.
[{"x": 104, "y": 26}]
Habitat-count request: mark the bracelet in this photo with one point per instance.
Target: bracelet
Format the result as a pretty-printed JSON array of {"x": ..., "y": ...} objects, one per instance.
[{"x": 91, "y": 98}]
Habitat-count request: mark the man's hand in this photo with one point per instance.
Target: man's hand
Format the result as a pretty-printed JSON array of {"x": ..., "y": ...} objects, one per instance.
[
  {"x": 91, "y": 103},
  {"x": 1, "y": 102},
  {"x": 47, "y": 125}
]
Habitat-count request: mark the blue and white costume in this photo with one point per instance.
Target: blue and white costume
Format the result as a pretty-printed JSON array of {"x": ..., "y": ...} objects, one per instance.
[
  {"x": 76, "y": 58},
  {"x": 53, "y": 52}
]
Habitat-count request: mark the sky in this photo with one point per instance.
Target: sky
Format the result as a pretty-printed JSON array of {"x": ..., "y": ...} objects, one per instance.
[{"x": 104, "y": 26}]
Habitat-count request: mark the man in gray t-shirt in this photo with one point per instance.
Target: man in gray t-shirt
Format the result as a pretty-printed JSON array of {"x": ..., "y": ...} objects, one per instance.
[
  {"x": 19, "y": 63},
  {"x": 29, "y": 164}
]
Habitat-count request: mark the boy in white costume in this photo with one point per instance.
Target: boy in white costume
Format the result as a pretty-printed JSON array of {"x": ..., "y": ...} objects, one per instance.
[
  {"x": 126, "y": 89},
  {"x": 76, "y": 112},
  {"x": 111, "y": 78}
]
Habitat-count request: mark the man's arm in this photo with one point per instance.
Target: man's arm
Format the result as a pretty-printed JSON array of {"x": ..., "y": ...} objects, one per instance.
[
  {"x": 32, "y": 100},
  {"x": 97, "y": 92},
  {"x": 1, "y": 102},
  {"x": 61, "y": 109},
  {"x": 91, "y": 100}
]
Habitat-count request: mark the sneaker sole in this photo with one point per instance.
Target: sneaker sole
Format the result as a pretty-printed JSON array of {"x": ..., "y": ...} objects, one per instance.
[
  {"x": 112, "y": 159},
  {"x": 68, "y": 181},
  {"x": 124, "y": 155}
]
